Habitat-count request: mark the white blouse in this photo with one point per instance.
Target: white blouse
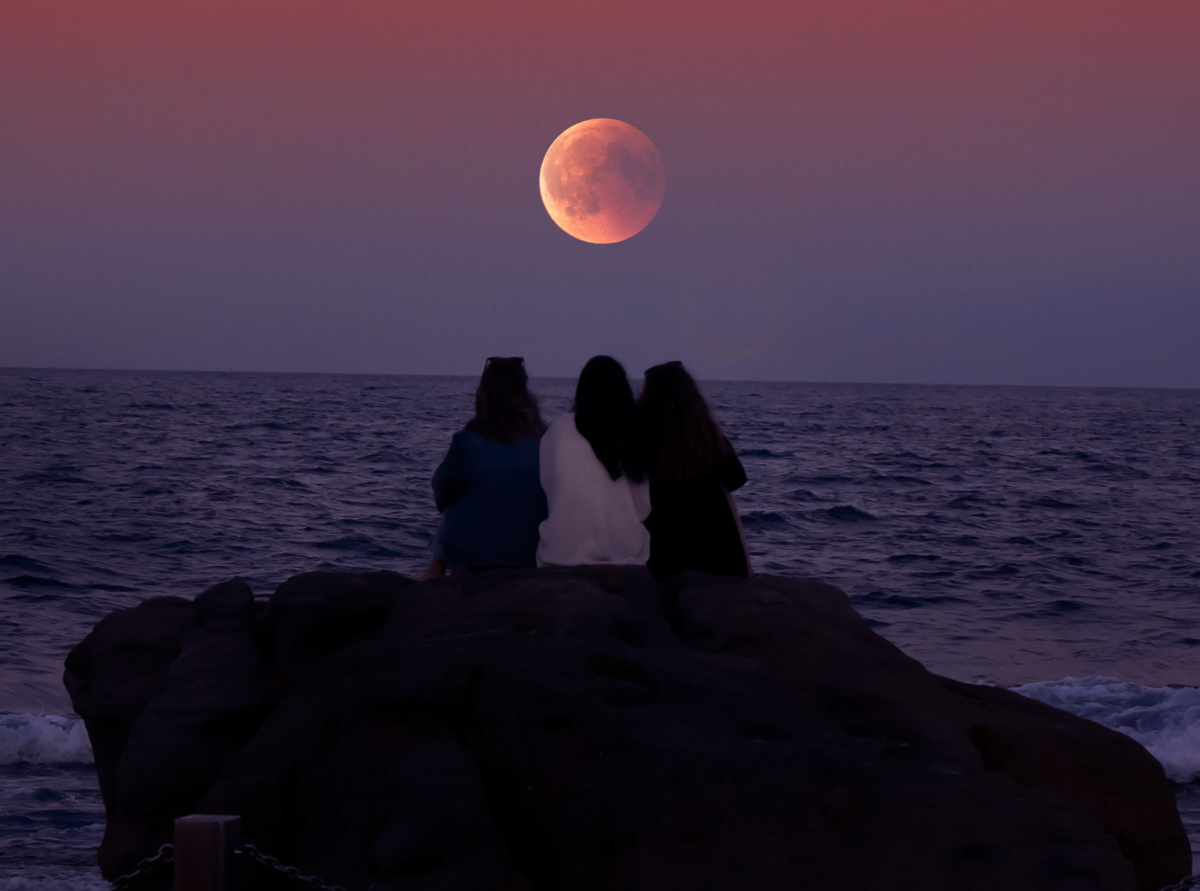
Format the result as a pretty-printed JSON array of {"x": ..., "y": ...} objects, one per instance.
[{"x": 593, "y": 518}]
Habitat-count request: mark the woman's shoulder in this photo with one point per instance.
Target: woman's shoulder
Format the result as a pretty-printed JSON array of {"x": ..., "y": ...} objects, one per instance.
[
  {"x": 469, "y": 446},
  {"x": 465, "y": 439},
  {"x": 563, "y": 425},
  {"x": 563, "y": 442}
]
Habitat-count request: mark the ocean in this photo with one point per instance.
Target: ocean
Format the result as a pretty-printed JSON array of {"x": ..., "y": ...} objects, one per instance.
[{"x": 1046, "y": 539}]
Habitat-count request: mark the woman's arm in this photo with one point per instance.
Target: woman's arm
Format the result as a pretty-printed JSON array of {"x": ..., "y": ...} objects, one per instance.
[
  {"x": 449, "y": 479},
  {"x": 730, "y": 472},
  {"x": 548, "y": 454},
  {"x": 737, "y": 518},
  {"x": 733, "y": 476},
  {"x": 641, "y": 498}
]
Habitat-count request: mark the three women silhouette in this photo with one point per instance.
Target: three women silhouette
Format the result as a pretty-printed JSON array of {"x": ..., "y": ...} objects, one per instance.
[{"x": 615, "y": 481}]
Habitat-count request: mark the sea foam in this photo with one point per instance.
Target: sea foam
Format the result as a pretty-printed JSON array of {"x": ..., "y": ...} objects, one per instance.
[
  {"x": 1166, "y": 720},
  {"x": 43, "y": 739}
]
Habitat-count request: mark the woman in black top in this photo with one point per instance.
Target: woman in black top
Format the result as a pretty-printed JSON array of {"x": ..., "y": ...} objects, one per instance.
[{"x": 693, "y": 522}]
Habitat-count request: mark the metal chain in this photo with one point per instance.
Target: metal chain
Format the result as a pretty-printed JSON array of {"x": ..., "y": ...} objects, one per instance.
[
  {"x": 291, "y": 871},
  {"x": 165, "y": 854}
]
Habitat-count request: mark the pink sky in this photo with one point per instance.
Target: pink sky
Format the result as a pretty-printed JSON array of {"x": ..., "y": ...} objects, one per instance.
[{"x": 984, "y": 192}]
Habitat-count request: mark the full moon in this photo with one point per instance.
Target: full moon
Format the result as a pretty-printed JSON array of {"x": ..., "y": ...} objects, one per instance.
[{"x": 602, "y": 181}]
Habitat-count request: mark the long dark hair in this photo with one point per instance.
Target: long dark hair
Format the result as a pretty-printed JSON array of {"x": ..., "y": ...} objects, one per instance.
[
  {"x": 607, "y": 417},
  {"x": 685, "y": 440},
  {"x": 505, "y": 410}
]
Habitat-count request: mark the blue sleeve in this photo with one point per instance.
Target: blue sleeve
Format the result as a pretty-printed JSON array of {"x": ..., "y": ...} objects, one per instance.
[{"x": 450, "y": 478}]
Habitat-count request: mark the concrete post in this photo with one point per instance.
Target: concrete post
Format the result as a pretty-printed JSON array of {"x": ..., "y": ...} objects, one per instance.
[{"x": 204, "y": 858}]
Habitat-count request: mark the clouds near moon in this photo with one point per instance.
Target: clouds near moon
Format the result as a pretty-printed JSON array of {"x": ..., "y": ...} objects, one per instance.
[{"x": 602, "y": 181}]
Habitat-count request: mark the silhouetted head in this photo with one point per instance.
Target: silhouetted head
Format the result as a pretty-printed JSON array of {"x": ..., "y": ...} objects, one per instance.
[
  {"x": 685, "y": 440},
  {"x": 607, "y": 417},
  {"x": 505, "y": 410}
]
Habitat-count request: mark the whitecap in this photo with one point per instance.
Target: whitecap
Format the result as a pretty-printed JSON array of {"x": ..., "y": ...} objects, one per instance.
[
  {"x": 43, "y": 739},
  {"x": 1166, "y": 720}
]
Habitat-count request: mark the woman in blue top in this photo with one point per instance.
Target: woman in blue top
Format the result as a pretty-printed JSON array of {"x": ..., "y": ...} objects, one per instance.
[{"x": 488, "y": 486}]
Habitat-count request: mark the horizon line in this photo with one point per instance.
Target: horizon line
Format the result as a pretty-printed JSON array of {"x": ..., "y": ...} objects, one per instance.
[{"x": 844, "y": 383}]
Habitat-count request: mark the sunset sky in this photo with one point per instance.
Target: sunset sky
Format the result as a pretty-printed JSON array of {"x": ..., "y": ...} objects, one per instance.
[{"x": 857, "y": 190}]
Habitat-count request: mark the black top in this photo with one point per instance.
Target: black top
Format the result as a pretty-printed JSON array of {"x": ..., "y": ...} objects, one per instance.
[{"x": 692, "y": 525}]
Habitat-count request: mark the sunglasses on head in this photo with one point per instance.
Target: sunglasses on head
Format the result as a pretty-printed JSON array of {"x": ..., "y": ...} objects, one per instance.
[
  {"x": 673, "y": 364},
  {"x": 502, "y": 360}
]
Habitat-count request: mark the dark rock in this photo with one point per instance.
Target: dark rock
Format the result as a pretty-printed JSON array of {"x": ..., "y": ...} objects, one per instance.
[
  {"x": 229, "y": 605},
  {"x": 591, "y": 729},
  {"x": 304, "y": 622},
  {"x": 117, "y": 669}
]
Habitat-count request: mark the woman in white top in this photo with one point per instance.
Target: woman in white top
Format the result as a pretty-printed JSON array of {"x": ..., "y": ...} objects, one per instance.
[{"x": 593, "y": 469}]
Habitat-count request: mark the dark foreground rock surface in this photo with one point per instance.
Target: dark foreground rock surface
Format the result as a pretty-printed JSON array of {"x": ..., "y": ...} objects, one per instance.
[{"x": 592, "y": 729}]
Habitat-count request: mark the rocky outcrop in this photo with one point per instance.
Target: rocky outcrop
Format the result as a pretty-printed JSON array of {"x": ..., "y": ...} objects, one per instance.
[{"x": 593, "y": 729}]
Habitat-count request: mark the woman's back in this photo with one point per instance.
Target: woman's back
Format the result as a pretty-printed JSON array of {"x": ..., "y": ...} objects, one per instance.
[
  {"x": 493, "y": 499},
  {"x": 693, "y": 525},
  {"x": 693, "y": 470},
  {"x": 592, "y": 517},
  {"x": 488, "y": 486}
]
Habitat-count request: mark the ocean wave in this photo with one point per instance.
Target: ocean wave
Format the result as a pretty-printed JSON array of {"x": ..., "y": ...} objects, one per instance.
[
  {"x": 805, "y": 495},
  {"x": 1166, "y": 720},
  {"x": 43, "y": 739},
  {"x": 280, "y": 482},
  {"x": 848, "y": 513},
  {"x": 900, "y": 601},
  {"x": 764, "y": 519},
  {"x": 27, "y": 563},
  {"x": 1049, "y": 501},
  {"x": 900, "y": 478},
  {"x": 53, "y": 476},
  {"x": 361, "y": 544},
  {"x": 973, "y": 499},
  {"x": 802, "y": 479},
  {"x": 49, "y": 881},
  {"x": 1054, "y": 609},
  {"x": 765, "y": 453},
  {"x": 33, "y": 581}
]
